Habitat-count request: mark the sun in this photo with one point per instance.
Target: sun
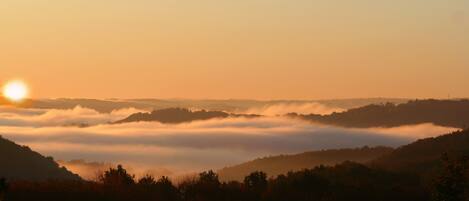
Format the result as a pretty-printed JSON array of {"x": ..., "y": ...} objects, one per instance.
[{"x": 15, "y": 91}]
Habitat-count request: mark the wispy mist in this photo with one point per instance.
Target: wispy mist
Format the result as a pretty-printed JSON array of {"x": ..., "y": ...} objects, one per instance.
[{"x": 10, "y": 116}]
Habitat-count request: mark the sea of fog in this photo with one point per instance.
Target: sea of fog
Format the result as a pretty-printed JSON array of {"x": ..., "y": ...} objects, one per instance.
[{"x": 177, "y": 149}]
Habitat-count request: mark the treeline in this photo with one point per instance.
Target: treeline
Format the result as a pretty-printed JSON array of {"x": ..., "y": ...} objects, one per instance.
[
  {"x": 281, "y": 164},
  {"x": 346, "y": 181},
  {"x": 449, "y": 113},
  {"x": 179, "y": 115}
]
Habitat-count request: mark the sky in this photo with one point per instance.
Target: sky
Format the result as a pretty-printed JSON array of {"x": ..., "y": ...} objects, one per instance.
[{"x": 256, "y": 49}]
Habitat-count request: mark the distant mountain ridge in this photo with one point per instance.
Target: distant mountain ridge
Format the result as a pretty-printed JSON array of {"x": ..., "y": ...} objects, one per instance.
[
  {"x": 178, "y": 115},
  {"x": 276, "y": 165},
  {"x": 449, "y": 113},
  {"x": 21, "y": 163}
]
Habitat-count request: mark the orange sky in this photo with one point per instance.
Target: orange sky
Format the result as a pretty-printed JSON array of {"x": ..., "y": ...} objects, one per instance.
[{"x": 258, "y": 49}]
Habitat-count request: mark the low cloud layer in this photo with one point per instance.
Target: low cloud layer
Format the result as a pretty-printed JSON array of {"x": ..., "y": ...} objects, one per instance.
[
  {"x": 151, "y": 147},
  {"x": 10, "y": 116}
]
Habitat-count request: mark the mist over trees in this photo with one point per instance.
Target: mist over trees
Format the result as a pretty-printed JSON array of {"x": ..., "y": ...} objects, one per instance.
[
  {"x": 178, "y": 115},
  {"x": 382, "y": 179},
  {"x": 282, "y": 164},
  {"x": 449, "y": 113}
]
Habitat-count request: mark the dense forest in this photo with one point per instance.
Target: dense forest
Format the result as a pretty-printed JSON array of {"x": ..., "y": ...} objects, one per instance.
[
  {"x": 450, "y": 113},
  {"x": 276, "y": 165},
  {"x": 394, "y": 176},
  {"x": 347, "y": 181}
]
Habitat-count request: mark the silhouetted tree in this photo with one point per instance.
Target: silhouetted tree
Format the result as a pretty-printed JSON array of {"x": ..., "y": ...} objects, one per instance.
[
  {"x": 234, "y": 191},
  {"x": 167, "y": 191},
  {"x": 117, "y": 177},
  {"x": 209, "y": 178},
  {"x": 164, "y": 182},
  {"x": 256, "y": 184},
  {"x": 452, "y": 183},
  {"x": 205, "y": 188},
  {"x": 3, "y": 188},
  {"x": 147, "y": 181}
]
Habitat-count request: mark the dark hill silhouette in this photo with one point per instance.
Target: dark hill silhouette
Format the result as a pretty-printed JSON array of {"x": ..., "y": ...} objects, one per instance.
[
  {"x": 283, "y": 164},
  {"x": 450, "y": 113},
  {"x": 21, "y": 163},
  {"x": 178, "y": 115},
  {"x": 424, "y": 156}
]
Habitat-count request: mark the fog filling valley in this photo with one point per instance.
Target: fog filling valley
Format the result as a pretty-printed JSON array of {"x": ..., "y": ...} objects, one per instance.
[{"x": 178, "y": 149}]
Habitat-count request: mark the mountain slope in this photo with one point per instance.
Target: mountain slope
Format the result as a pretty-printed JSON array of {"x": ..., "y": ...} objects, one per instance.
[
  {"x": 450, "y": 113},
  {"x": 425, "y": 155},
  {"x": 178, "y": 115},
  {"x": 277, "y": 165},
  {"x": 20, "y": 162}
]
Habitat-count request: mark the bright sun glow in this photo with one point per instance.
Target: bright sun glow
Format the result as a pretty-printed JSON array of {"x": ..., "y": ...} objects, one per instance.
[{"x": 15, "y": 91}]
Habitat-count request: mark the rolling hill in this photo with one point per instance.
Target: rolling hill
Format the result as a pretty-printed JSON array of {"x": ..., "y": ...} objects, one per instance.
[
  {"x": 449, "y": 113},
  {"x": 422, "y": 157},
  {"x": 425, "y": 155},
  {"x": 21, "y": 163},
  {"x": 282, "y": 164},
  {"x": 178, "y": 115}
]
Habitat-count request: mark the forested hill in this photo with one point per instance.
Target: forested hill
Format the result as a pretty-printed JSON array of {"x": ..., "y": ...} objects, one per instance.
[
  {"x": 282, "y": 164},
  {"x": 179, "y": 115},
  {"x": 21, "y": 163},
  {"x": 425, "y": 155},
  {"x": 450, "y": 113}
]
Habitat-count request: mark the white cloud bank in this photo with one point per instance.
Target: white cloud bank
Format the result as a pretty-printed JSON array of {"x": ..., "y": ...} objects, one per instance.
[
  {"x": 10, "y": 116},
  {"x": 180, "y": 148}
]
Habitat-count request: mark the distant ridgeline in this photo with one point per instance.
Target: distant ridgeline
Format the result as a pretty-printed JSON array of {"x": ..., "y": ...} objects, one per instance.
[
  {"x": 232, "y": 105},
  {"x": 277, "y": 165},
  {"x": 422, "y": 158},
  {"x": 449, "y": 113},
  {"x": 429, "y": 169},
  {"x": 179, "y": 115},
  {"x": 21, "y": 163}
]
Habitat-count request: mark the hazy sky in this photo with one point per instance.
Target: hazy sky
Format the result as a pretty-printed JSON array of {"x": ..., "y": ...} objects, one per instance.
[{"x": 261, "y": 49}]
